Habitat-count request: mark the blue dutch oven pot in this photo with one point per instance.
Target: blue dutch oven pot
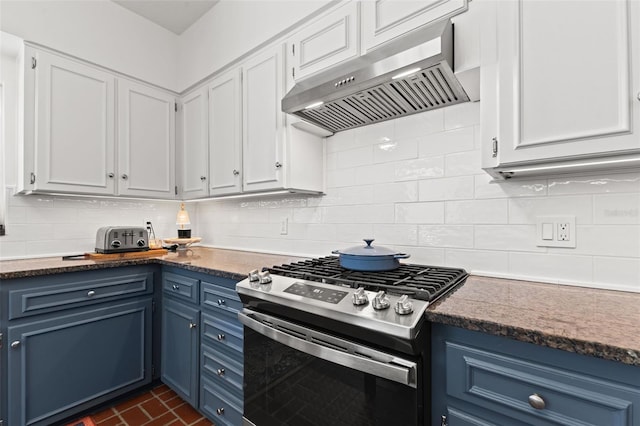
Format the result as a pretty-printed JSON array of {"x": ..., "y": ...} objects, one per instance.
[{"x": 369, "y": 258}]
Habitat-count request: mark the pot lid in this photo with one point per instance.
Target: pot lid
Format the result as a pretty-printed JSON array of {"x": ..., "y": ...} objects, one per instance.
[{"x": 368, "y": 250}]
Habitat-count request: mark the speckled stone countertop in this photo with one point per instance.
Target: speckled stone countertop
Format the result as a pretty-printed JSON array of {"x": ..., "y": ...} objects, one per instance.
[{"x": 599, "y": 323}]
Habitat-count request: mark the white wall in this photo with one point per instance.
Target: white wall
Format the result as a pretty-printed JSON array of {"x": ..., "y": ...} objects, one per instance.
[
  {"x": 415, "y": 184},
  {"x": 219, "y": 37},
  {"x": 98, "y": 31}
]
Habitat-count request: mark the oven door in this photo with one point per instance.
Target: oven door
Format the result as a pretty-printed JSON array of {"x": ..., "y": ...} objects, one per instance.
[{"x": 297, "y": 376}]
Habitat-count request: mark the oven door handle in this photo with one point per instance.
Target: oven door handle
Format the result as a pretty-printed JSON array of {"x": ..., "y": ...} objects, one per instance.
[{"x": 331, "y": 348}]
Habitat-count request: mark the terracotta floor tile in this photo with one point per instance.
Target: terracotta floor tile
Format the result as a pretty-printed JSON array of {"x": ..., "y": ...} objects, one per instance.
[
  {"x": 111, "y": 421},
  {"x": 135, "y": 416},
  {"x": 173, "y": 403},
  {"x": 167, "y": 395},
  {"x": 154, "y": 407},
  {"x": 160, "y": 389},
  {"x": 102, "y": 415},
  {"x": 187, "y": 413},
  {"x": 163, "y": 420},
  {"x": 124, "y": 406},
  {"x": 202, "y": 422}
]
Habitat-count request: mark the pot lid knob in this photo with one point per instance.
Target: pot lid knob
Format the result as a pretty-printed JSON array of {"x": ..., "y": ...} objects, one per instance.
[
  {"x": 360, "y": 297},
  {"x": 380, "y": 301},
  {"x": 368, "y": 241}
]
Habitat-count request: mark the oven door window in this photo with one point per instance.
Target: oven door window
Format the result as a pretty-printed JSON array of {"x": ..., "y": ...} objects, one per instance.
[{"x": 286, "y": 386}]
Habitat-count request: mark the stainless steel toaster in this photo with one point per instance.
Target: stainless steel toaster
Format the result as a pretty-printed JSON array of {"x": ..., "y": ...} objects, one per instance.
[{"x": 117, "y": 239}]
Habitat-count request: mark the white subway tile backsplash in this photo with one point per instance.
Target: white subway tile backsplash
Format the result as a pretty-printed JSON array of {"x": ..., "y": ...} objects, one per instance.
[
  {"x": 377, "y": 173},
  {"x": 462, "y": 115},
  {"x": 476, "y": 211},
  {"x": 374, "y": 133},
  {"x": 397, "y": 192},
  {"x": 355, "y": 157},
  {"x": 447, "y": 142},
  {"x": 487, "y": 187},
  {"x": 462, "y": 163},
  {"x": 616, "y": 209},
  {"x": 452, "y": 188},
  {"x": 507, "y": 237},
  {"x": 595, "y": 184},
  {"x": 397, "y": 234},
  {"x": 395, "y": 150},
  {"x": 374, "y": 213},
  {"x": 424, "y": 255},
  {"x": 525, "y": 210},
  {"x": 430, "y": 212},
  {"x": 307, "y": 215},
  {"x": 340, "y": 177},
  {"x": 483, "y": 262},
  {"x": 422, "y": 168},
  {"x": 353, "y": 233},
  {"x": 617, "y": 272},
  {"x": 557, "y": 268},
  {"x": 417, "y": 125},
  {"x": 457, "y": 236},
  {"x": 605, "y": 240}
]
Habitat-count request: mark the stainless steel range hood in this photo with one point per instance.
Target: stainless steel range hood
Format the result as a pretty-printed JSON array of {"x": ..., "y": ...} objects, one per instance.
[{"x": 407, "y": 76}]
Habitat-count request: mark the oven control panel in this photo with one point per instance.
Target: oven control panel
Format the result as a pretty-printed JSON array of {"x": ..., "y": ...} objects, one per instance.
[{"x": 317, "y": 293}]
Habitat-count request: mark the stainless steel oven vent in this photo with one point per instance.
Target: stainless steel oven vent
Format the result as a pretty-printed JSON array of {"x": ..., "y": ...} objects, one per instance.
[
  {"x": 435, "y": 87},
  {"x": 406, "y": 76}
]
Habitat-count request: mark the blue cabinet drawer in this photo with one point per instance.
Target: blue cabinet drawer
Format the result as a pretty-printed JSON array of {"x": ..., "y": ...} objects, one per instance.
[
  {"x": 219, "y": 405},
  {"x": 221, "y": 332},
  {"x": 181, "y": 287},
  {"x": 221, "y": 368},
  {"x": 76, "y": 291},
  {"x": 220, "y": 298},
  {"x": 507, "y": 384}
]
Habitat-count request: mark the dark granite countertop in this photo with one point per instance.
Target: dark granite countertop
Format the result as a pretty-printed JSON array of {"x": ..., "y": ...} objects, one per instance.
[{"x": 599, "y": 323}]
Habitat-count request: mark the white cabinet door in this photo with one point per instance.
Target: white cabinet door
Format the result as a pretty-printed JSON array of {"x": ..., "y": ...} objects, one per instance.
[
  {"x": 146, "y": 145},
  {"x": 193, "y": 155},
  {"x": 73, "y": 104},
  {"x": 564, "y": 81},
  {"x": 263, "y": 121},
  {"x": 332, "y": 39},
  {"x": 383, "y": 20},
  {"x": 225, "y": 134}
]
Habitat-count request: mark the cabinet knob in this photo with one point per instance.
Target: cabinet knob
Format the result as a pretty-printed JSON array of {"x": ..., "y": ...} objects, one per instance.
[
  {"x": 221, "y": 337},
  {"x": 443, "y": 421},
  {"x": 236, "y": 172},
  {"x": 192, "y": 325},
  {"x": 176, "y": 287},
  {"x": 278, "y": 165},
  {"x": 639, "y": 96},
  {"x": 222, "y": 302},
  {"x": 220, "y": 411},
  {"x": 124, "y": 176},
  {"x": 220, "y": 371},
  {"x": 91, "y": 293},
  {"x": 15, "y": 344},
  {"x": 111, "y": 175},
  {"x": 536, "y": 401},
  {"x": 203, "y": 178}
]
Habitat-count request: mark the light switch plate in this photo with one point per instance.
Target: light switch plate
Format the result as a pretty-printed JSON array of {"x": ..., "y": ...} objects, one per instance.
[{"x": 556, "y": 231}]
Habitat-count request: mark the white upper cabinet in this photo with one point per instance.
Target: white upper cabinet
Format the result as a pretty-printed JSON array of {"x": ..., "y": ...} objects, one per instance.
[
  {"x": 146, "y": 145},
  {"x": 383, "y": 20},
  {"x": 225, "y": 134},
  {"x": 560, "y": 82},
  {"x": 263, "y": 120},
  {"x": 329, "y": 40},
  {"x": 69, "y": 133},
  {"x": 193, "y": 152}
]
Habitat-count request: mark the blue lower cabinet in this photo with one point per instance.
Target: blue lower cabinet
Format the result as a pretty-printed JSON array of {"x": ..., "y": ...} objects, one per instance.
[
  {"x": 220, "y": 405},
  {"x": 488, "y": 380}
]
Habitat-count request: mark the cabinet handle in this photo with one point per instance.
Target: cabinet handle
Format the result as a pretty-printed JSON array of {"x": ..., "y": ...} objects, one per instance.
[
  {"x": 15, "y": 344},
  {"x": 222, "y": 302},
  {"x": 220, "y": 371},
  {"x": 221, "y": 337},
  {"x": 536, "y": 401},
  {"x": 111, "y": 175},
  {"x": 176, "y": 287},
  {"x": 639, "y": 96},
  {"x": 278, "y": 165},
  {"x": 192, "y": 325},
  {"x": 220, "y": 411},
  {"x": 91, "y": 293},
  {"x": 124, "y": 176},
  {"x": 203, "y": 178},
  {"x": 236, "y": 172}
]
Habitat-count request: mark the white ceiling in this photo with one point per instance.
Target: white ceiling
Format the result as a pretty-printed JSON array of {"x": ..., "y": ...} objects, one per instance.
[{"x": 174, "y": 15}]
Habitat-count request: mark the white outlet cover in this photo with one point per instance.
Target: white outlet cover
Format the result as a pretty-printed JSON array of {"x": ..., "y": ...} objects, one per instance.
[{"x": 544, "y": 222}]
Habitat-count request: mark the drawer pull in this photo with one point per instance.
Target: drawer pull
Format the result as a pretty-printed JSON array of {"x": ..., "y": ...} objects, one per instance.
[
  {"x": 15, "y": 344},
  {"x": 221, "y": 302},
  {"x": 91, "y": 293},
  {"x": 220, "y": 371},
  {"x": 221, "y": 337},
  {"x": 192, "y": 325},
  {"x": 536, "y": 401},
  {"x": 176, "y": 287},
  {"x": 220, "y": 411}
]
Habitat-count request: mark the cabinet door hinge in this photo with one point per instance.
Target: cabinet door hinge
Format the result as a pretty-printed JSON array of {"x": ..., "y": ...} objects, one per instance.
[
  {"x": 175, "y": 189},
  {"x": 494, "y": 148},
  {"x": 293, "y": 49},
  {"x": 32, "y": 178},
  {"x": 293, "y": 72},
  {"x": 0, "y": 345},
  {"x": 176, "y": 106},
  {"x": 34, "y": 62}
]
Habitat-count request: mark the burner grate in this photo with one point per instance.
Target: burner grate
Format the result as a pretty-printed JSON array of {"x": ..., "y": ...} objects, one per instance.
[{"x": 419, "y": 281}]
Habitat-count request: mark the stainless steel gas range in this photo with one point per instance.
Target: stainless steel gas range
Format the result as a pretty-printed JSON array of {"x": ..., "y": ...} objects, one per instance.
[{"x": 325, "y": 345}]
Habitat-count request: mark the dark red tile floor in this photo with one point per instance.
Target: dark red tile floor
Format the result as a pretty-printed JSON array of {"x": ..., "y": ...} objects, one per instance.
[{"x": 158, "y": 407}]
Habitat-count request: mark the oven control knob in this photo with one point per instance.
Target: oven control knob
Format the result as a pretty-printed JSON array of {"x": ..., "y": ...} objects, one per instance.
[
  {"x": 360, "y": 297},
  {"x": 264, "y": 277},
  {"x": 253, "y": 276},
  {"x": 380, "y": 301},
  {"x": 404, "y": 306}
]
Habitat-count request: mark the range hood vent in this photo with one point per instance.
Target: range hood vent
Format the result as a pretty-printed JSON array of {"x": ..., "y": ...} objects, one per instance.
[{"x": 370, "y": 89}]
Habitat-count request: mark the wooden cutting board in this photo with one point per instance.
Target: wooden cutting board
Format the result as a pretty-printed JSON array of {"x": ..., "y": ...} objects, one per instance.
[{"x": 125, "y": 255}]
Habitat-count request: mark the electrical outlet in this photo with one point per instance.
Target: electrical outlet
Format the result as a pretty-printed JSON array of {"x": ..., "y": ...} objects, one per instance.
[
  {"x": 556, "y": 231},
  {"x": 284, "y": 226}
]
